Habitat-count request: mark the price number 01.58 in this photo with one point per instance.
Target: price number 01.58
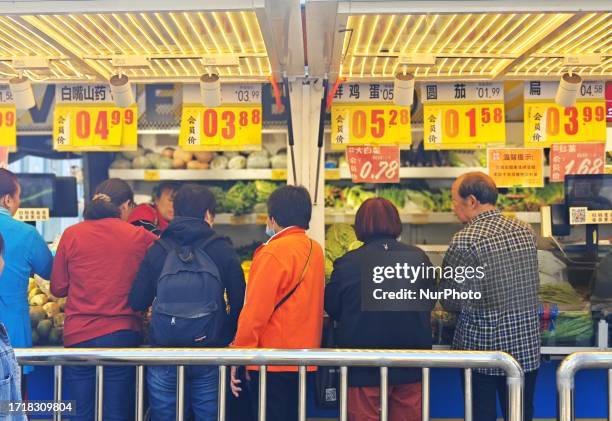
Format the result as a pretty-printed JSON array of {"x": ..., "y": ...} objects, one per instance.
[{"x": 487, "y": 115}]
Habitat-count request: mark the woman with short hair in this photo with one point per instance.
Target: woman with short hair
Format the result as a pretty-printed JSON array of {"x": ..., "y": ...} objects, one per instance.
[
  {"x": 95, "y": 266},
  {"x": 378, "y": 226}
]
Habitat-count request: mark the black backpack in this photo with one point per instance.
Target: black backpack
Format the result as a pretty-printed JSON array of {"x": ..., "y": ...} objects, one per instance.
[{"x": 189, "y": 309}]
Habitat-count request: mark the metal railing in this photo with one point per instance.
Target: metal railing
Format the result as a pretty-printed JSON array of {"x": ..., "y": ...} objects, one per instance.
[
  {"x": 565, "y": 379},
  {"x": 223, "y": 358}
]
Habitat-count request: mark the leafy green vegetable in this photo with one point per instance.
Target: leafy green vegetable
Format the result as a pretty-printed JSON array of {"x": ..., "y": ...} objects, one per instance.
[
  {"x": 241, "y": 198},
  {"x": 355, "y": 196},
  {"x": 420, "y": 201},
  {"x": 570, "y": 328},
  {"x": 219, "y": 198},
  {"x": 339, "y": 239},
  {"x": 264, "y": 190},
  {"x": 394, "y": 195}
]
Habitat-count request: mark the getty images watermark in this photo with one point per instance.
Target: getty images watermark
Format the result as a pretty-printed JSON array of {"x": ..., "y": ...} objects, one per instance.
[{"x": 406, "y": 281}]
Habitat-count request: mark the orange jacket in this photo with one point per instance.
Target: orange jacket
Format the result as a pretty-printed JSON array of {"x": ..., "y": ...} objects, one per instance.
[{"x": 276, "y": 269}]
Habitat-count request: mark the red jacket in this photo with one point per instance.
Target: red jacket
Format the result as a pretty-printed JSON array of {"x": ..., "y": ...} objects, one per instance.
[
  {"x": 95, "y": 265},
  {"x": 148, "y": 216}
]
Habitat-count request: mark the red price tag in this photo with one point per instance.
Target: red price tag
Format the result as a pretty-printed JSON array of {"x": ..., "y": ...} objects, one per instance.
[
  {"x": 609, "y": 102},
  {"x": 4, "y": 157},
  {"x": 374, "y": 164},
  {"x": 576, "y": 158}
]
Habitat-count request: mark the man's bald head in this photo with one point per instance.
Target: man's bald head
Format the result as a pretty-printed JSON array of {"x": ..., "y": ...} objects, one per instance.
[{"x": 479, "y": 185}]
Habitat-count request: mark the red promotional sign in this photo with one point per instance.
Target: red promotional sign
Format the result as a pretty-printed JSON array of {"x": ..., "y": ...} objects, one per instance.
[
  {"x": 374, "y": 164},
  {"x": 609, "y": 102},
  {"x": 576, "y": 158},
  {"x": 4, "y": 157}
]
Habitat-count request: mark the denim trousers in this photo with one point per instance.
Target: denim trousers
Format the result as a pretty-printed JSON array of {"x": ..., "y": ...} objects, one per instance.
[
  {"x": 10, "y": 389},
  {"x": 201, "y": 386},
  {"x": 119, "y": 391}
]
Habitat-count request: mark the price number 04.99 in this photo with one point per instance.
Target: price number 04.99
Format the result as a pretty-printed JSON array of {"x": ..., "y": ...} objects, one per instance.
[{"x": 101, "y": 128}]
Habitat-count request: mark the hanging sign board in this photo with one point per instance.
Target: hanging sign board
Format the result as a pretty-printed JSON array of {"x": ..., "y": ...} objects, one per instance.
[
  {"x": 8, "y": 119},
  {"x": 236, "y": 125},
  {"x": 516, "y": 167},
  {"x": 364, "y": 114},
  {"x": 547, "y": 123},
  {"x": 463, "y": 115},
  {"x": 576, "y": 158},
  {"x": 4, "y": 152},
  {"x": 374, "y": 164},
  {"x": 85, "y": 119},
  {"x": 609, "y": 102}
]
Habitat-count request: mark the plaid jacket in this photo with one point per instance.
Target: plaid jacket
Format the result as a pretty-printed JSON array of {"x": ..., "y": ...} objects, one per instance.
[{"x": 505, "y": 318}]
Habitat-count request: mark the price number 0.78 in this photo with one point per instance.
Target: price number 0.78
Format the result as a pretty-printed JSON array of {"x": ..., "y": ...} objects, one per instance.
[{"x": 386, "y": 169}]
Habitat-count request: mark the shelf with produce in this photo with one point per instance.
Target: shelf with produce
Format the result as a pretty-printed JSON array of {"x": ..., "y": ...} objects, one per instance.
[
  {"x": 422, "y": 218},
  {"x": 209, "y": 174},
  {"x": 417, "y": 172}
]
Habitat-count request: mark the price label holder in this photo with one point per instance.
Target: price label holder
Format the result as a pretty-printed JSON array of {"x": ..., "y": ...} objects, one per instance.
[
  {"x": 369, "y": 124},
  {"x": 332, "y": 174},
  {"x": 279, "y": 175},
  {"x": 547, "y": 123},
  {"x": 576, "y": 158},
  {"x": 8, "y": 127},
  {"x": 225, "y": 128},
  {"x": 516, "y": 167},
  {"x": 374, "y": 164},
  {"x": 91, "y": 128},
  {"x": 151, "y": 175},
  {"x": 583, "y": 216},
  {"x": 463, "y": 115}
]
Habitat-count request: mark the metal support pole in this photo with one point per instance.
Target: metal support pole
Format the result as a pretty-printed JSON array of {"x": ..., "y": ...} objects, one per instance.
[
  {"x": 180, "y": 393},
  {"x": 57, "y": 390},
  {"x": 343, "y": 393},
  {"x": 139, "y": 393},
  {"x": 515, "y": 398},
  {"x": 610, "y": 394},
  {"x": 222, "y": 392},
  {"x": 262, "y": 393},
  {"x": 425, "y": 394},
  {"x": 99, "y": 393},
  {"x": 302, "y": 393},
  {"x": 468, "y": 394},
  {"x": 384, "y": 393}
]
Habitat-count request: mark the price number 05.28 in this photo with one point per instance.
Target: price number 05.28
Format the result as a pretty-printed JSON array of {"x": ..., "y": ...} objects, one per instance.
[
  {"x": 231, "y": 121},
  {"x": 85, "y": 120},
  {"x": 374, "y": 124},
  {"x": 382, "y": 170}
]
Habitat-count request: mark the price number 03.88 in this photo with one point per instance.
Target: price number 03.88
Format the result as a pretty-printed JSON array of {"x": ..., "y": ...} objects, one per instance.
[
  {"x": 230, "y": 119},
  {"x": 386, "y": 169},
  {"x": 451, "y": 120},
  {"x": 378, "y": 122},
  {"x": 101, "y": 126}
]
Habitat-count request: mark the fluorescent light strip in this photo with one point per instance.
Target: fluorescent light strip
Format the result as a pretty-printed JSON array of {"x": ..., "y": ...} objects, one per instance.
[
  {"x": 200, "y": 39},
  {"x": 569, "y": 35},
  {"x": 394, "y": 44},
  {"x": 11, "y": 43},
  {"x": 583, "y": 47},
  {"x": 601, "y": 66},
  {"x": 454, "y": 62},
  {"x": 229, "y": 17},
  {"x": 457, "y": 29},
  {"x": 54, "y": 50},
  {"x": 184, "y": 35},
  {"x": 425, "y": 33},
  {"x": 550, "y": 65},
  {"x": 204, "y": 20},
  {"x": 121, "y": 37},
  {"x": 247, "y": 25},
  {"x": 169, "y": 50},
  {"x": 372, "y": 31},
  {"x": 466, "y": 62},
  {"x": 441, "y": 66},
  {"x": 481, "y": 33},
  {"x": 219, "y": 24},
  {"x": 500, "y": 28},
  {"x": 520, "y": 22},
  {"x": 468, "y": 32},
  {"x": 475, "y": 66},
  {"x": 567, "y": 43},
  {"x": 536, "y": 35},
  {"x": 408, "y": 41},
  {"x": 143, "y": 50},
  {"x": 102, "y": 33},
  {"x": 359, "y": 30},
  {"x": 385, "y": 33},
  {"x": 76, "y": 31},
  {"x": 442, "y": 32},
  {"x": 351, "y": 66}
]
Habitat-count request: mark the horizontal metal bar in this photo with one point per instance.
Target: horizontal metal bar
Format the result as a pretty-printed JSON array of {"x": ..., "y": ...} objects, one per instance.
[
  {"x": 240, "y": 357},
  {"x": 176, "y": 56}
]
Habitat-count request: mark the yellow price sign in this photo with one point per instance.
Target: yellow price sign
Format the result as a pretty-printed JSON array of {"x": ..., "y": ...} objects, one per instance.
[
  {"x": 369, "y": 124},
  {"x": 151, "y": 175},
  {"x": 8, "y": 127},
  {"x": 279, "y": 175},
  {"x": 547, "y": 123},
  {"x": 463, "y": 126},
  {"x": 227, "y": 128},
  {"x": 95, "y": 128}
]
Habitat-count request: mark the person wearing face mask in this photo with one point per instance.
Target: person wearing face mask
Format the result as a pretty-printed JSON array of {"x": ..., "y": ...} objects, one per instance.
[
  {"x": 284, "y": 300},
  {"x": 95, "y": 265},
  {"x": 26, "y": 253},
  {"x": 189, "y": 271}
]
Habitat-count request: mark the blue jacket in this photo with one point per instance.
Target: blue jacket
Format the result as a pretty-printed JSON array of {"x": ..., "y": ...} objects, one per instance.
[
  {"x": 10, "y": 386},
  {"x": 25, "y": 253}
]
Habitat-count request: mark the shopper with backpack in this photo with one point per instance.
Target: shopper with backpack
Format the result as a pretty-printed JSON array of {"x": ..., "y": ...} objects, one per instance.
[{"x": 185, "y": 275}]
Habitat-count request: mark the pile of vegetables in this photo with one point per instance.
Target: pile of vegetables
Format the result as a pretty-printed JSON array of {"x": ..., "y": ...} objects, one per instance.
[
  {"x": 531, "y": 199},
  {"x": 46, "y": 313},
  {"x": 571, "y": 328},
  {"x": 339, "y": 239},
  {"x": 178, "y": 159},
  {"x": 561, "y": 293}
]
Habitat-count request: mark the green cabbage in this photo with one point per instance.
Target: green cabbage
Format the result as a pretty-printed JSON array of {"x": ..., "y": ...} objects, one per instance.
[
  {"x": 241, "y": 198},
  {"x": 264, "y": 190},
  {"x": 339, "y": 239}
]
